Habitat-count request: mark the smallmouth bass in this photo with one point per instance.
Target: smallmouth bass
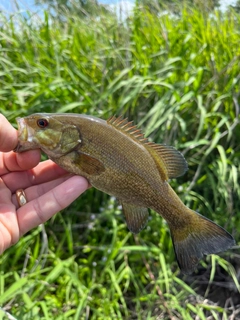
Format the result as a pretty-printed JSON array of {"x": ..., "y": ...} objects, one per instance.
[{"x": 116, "y": 158}]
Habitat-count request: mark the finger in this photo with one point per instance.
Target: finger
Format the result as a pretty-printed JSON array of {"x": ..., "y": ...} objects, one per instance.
[
  {"x": 43, "y": 172},
  {"x": 12, "y": 161},
  {"x": 8, "y": 135},
  {"x": 37, "y": 191},
  {"x": 9, "y": 231},
  {"x": 43, "y": 208}
]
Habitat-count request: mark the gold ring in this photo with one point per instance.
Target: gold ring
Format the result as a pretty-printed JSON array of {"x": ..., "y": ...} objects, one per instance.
[{"x": 21, "y": 197}]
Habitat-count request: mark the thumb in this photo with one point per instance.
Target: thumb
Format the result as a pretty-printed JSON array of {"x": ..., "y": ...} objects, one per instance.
[{"x": 8, "y": 135}]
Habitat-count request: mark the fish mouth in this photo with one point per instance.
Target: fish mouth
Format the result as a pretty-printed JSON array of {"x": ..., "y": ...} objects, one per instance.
[{"x": 25, "y": 136}]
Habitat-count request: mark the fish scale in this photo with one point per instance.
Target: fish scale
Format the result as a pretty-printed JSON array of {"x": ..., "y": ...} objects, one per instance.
[{"x": 117, "y": 159}]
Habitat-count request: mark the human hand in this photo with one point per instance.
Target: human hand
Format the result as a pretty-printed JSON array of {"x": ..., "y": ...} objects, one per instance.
[{"x": 48, "y": 188}]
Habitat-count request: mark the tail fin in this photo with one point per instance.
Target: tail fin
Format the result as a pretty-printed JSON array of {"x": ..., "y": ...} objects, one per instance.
[{"x": 200, "y": 237}]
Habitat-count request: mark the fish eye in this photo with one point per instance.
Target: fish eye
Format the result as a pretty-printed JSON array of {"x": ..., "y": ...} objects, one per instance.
[{"x": 42, "y": 123}]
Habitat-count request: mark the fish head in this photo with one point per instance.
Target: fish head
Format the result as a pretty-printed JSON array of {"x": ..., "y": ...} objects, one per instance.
[{"x": 53, "y": 134}]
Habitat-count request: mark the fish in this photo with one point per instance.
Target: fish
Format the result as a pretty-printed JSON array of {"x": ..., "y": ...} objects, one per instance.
[{"x": 116, "y": 158}]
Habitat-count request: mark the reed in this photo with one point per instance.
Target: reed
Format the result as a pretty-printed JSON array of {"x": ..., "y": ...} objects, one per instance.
[{"x": 176, "y": 76}]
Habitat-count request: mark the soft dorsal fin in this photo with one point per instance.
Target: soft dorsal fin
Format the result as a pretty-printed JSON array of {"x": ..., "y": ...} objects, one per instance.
[
  {"x": 174, "y": 162},
  {"x": 128, "y": 128}
]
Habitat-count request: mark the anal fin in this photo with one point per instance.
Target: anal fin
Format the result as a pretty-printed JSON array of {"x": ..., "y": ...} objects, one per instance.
[{"x": 136, "y": 217}]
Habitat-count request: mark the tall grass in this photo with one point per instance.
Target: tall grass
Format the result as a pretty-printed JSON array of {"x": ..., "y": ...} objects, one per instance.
[{"x": 178, "y": 77}]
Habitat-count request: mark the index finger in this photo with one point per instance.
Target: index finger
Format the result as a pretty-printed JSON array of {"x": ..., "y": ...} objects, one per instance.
[
  {"x": 11, "y": 161},
  {"x": 8, "y": 135},
  {"x": 43, "y": 172},
  {"x": 43, "y": 208}
]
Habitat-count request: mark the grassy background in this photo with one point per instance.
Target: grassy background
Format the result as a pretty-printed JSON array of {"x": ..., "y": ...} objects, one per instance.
[{"x": 176, "y": 76}]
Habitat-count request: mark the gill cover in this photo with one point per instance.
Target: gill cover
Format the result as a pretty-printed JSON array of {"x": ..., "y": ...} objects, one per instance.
[{"x": 47, "y": 133}]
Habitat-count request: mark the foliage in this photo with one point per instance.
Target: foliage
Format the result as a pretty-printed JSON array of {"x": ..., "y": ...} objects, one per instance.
[
  {"x": 81, "y": 8},
  {"x": 175, "y": 6},
  {"x": 178, "y": 77},
  {"x": 236, "y": 6}
]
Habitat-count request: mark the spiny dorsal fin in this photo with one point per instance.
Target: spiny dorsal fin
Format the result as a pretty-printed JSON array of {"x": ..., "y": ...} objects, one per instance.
[
  {"x": 174, "y": 161},
  {"x": 128, "y": 128}
]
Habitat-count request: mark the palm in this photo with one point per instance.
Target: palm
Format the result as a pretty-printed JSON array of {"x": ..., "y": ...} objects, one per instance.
[{"x": 48, "y": 189}]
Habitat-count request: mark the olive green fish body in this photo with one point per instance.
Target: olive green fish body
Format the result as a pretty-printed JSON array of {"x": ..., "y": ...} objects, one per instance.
[
  {"x": 131, "y": 176},
  {"x": 116, "y": 158}
]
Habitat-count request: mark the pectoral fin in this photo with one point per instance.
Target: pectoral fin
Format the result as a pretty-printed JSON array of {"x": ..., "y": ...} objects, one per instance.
[
  {"x": 88, "y": 164},
  {"x": 136, "y": 217}
]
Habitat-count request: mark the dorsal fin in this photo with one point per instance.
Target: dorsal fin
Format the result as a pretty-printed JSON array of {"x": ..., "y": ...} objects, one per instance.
[
  {"x": 170, "y": 162},
  {"x": 174, "y": 161},
  {"x": 128, "y": 128}
]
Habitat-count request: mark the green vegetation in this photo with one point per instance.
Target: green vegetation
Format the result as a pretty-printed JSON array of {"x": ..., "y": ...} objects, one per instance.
[{"x": 177, "y": 77}]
